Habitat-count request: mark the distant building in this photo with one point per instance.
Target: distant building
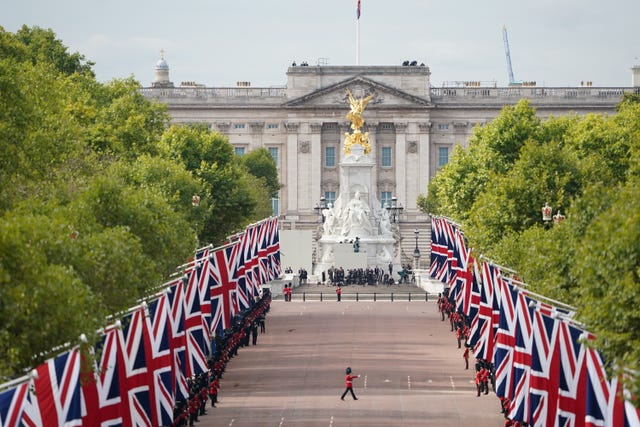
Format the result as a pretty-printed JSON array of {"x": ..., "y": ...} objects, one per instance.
[{"x": 412, "y": 127}]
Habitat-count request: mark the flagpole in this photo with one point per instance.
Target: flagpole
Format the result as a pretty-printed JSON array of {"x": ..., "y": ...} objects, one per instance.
[
  {"x": 357, "y": 32},
  {"x": 358, "y": 41}
]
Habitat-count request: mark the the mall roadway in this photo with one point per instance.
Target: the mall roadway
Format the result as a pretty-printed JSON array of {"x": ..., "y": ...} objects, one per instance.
[{"x": 412, "y": 373}]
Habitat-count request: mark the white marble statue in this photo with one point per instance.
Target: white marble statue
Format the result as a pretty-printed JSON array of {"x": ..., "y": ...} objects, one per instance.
[
  {"x": 355, "y": 216},
  {"x": 330, "y": 220},
  {"x": 327, "y": 256},
  {"x": 383, "y": 257},
  {"x": 385, "y": 223}
]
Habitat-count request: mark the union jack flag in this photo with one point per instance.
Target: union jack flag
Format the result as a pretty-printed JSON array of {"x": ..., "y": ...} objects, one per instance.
[
  {"x": 255, "y": 260},
  {"x": 545, "y": 370},
  {"x": 178, "y": 338},
  {"x": 31, "y": 416},
  {"x": 471, "y": 310},
  {"x": 274, "y": 249},
  {"x": 161, "y": 360},
  {"x": 573, "y": 376},
  {"x": 139, "y": 390},
  {"x": 597, "y": 393},
  {"x": 263, "y": 252},
  {"x": 199, "y": 273},
  {"x": 505, "y": 339},
  {"x": 245, "y": 263},
  {"x": 519, "y": 398},
  {"x": 223, "y": 286},
  {"x": 195, "y": 327},
  {"x": 57, "y": 392},
  {"x": 439, "y": 249},
  {"x": 12, "y": 404},
  {"x": 482, "y": 332},
  {"x": 104, "y": 386},
  {"x": 464, "y": 274},
  {"x": 620, "y": 411}
]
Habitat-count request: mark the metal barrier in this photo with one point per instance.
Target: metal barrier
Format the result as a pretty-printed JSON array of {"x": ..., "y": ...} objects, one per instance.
[{"x": 361, "y": 296}]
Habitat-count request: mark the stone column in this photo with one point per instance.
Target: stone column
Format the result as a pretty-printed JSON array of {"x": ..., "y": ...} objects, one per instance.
[
  {"x": 400, "y": 163},
  {"x": 424, "y": 162},
  {"x": 314, "y": 191},
  {"x": 291, "y": 189},
  {"x": 372, "y": 127},
  {"x": 257, "y": 129}
]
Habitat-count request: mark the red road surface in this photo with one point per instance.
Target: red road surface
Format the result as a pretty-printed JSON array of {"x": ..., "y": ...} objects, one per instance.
[{"x": 412, "y": 373}]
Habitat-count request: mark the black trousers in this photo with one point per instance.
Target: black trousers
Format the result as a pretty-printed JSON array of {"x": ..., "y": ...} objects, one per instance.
[{"x": 349, "y": 389}]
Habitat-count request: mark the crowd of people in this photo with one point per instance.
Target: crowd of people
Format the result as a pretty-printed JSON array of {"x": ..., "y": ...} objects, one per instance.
[
  {"x": 204, "y": 387},
  {"x": 484, "y": 375},
  {"x": 338, "y": 276}
]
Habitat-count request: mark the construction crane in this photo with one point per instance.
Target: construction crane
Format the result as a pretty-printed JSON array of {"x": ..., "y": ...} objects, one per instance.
[{"x": 512, "y": 81}]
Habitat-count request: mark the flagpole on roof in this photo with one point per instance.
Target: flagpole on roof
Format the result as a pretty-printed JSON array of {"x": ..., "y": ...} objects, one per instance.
[{"x": 358, "y": 32}]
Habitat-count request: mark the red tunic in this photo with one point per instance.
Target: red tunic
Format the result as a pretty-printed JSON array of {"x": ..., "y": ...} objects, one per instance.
[{"x": 349, "y": 380}]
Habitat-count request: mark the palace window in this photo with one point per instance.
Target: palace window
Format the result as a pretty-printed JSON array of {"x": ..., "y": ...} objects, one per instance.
[
  {"x": 272, "y": 126},
  {"x": 385, "y": 199},
  {"x": 238, "y": 126},
  {"x": 275, "y": 204},
  {"x": 330, "y": 157},
  {"x": 443, "y": 156},
  {"x": 274, "y": 153},
  {"x": 385, "y": 157},
  {"x": 443, "y": 126},
  {"x": 239, "y": 151},
  {"x": 330, "y": 197}
]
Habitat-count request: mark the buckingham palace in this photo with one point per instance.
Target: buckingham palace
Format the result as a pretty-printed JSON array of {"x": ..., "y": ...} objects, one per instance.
[{"x": 413, "y": 127}]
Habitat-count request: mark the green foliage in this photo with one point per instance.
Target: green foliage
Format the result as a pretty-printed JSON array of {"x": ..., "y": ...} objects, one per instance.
[
  {"x": 43, "y": 47},
  {"x": 91, "y": 216},
  {"x": 42, "y": 303},
  {"x": 260, "y": 164},
  {"x": 229, "y": 197}
]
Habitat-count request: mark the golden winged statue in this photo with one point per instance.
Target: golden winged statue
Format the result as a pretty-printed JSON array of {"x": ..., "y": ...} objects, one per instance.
[{"x": 355, "y": 116}]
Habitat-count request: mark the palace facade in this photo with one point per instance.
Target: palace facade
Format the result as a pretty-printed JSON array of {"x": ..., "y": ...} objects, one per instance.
[{"x": 412, "y": 127}]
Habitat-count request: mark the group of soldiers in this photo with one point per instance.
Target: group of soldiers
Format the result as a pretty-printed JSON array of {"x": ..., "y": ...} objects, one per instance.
[
  {"x": 204, "y": 387},
  {"x": 484, "y": 369},
  {"x": 365, "y": 276}
]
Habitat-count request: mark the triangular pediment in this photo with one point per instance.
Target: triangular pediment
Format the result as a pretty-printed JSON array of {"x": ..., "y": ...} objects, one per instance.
[{"x": 335, "y": 95}]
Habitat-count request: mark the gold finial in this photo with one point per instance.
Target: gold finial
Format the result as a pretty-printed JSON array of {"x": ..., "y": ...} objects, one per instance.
[{"x": 355, "y": 116}]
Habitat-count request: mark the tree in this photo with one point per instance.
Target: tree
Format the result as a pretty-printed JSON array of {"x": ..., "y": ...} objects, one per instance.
[
  {"x": 260, "y": 164},
  {"x": 229, "y": 201},
  {"x": 43, "y": 46}
]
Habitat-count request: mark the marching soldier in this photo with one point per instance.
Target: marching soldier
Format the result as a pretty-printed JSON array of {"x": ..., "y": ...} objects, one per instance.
[{"x": 349, "y": 384}]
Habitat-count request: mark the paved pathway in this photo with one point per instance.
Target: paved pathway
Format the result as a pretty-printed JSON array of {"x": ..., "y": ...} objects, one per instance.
[{"x": 412, "y": 372}]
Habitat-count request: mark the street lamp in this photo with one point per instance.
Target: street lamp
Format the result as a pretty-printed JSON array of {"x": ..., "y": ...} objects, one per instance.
[
  {"x": 320, "y": 207},
  {"x": 546, "y": 213},
  {"x": 558, "y": 218},
  {"x": 416, "y": 251},
  {"x": 394, "y": 209}
]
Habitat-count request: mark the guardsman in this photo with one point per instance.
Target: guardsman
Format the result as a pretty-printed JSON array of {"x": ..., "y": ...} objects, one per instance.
[
  {"x": 465, "y": 356},
  {"x": 213, "y": 391},
  {"x": 339, "y": 293},
  {"x": 349, "y": 384},
  {"x": 485, "y": 379},
  {"x": 478, "y": 381}
]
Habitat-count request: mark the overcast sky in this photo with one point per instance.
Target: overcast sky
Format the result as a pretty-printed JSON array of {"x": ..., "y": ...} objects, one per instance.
[{"x": 217, "y": 43}]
